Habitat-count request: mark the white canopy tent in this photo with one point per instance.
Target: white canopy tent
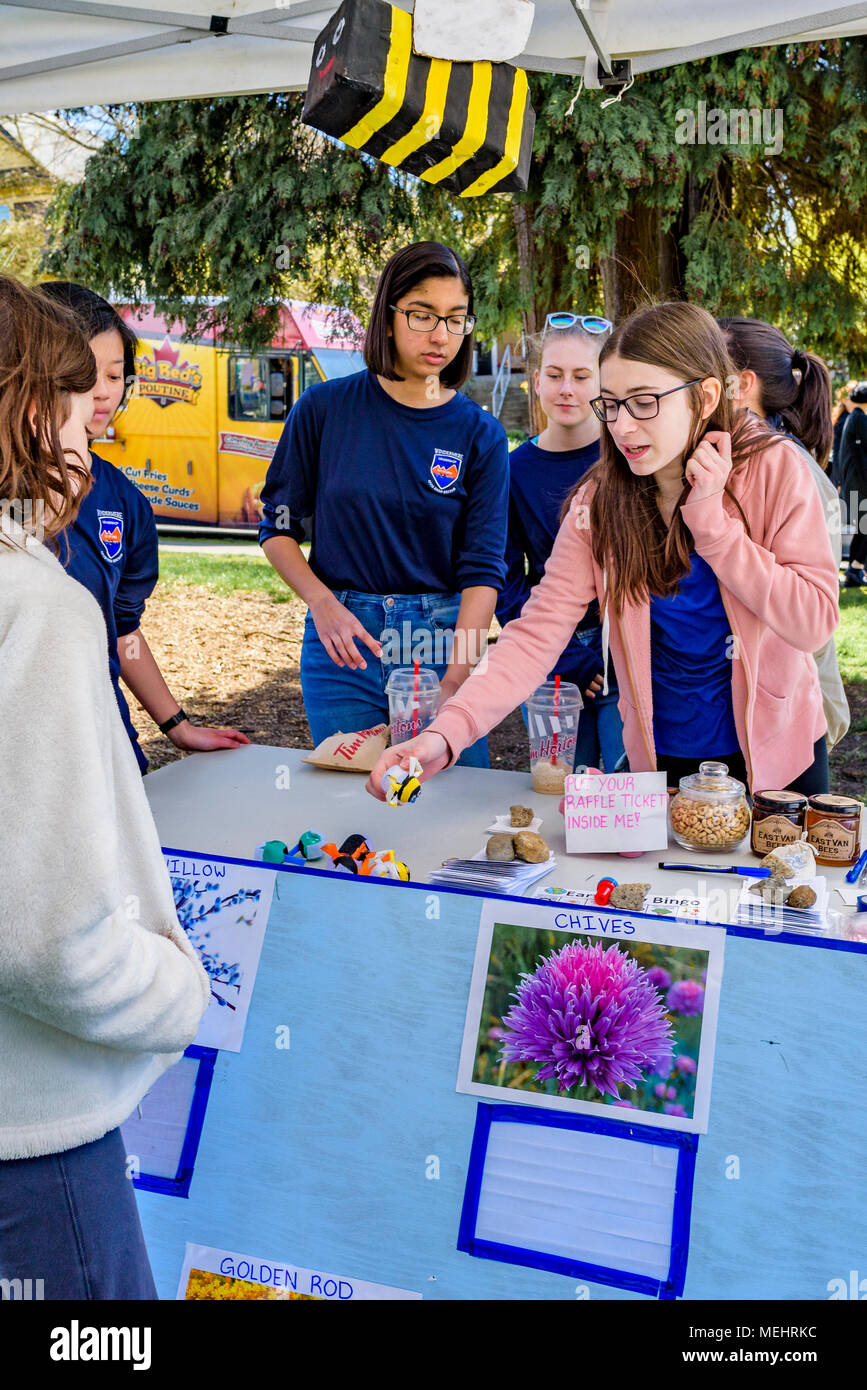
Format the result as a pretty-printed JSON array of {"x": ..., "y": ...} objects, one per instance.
[{"x": 63, "y": 53}]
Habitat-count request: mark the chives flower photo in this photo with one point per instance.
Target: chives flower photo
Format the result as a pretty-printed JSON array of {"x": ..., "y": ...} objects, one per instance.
[
  {"x": 591, "y": 1016},
  {"x": 567, "y": 1018}
]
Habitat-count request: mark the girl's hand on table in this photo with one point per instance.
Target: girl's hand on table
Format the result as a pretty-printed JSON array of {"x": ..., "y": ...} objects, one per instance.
[
  {"x": 337, "y": 628},
  {"x": 198, "y": 738},
  {"x": 431, "y": 750}
]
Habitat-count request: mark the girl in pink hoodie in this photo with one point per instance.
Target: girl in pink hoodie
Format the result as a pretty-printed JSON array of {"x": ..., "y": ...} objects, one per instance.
[{"x": 701, "y": 533}]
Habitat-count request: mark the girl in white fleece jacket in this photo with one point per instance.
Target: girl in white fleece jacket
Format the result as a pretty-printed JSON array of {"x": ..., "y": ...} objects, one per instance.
[{"x": 100, "y": 990}]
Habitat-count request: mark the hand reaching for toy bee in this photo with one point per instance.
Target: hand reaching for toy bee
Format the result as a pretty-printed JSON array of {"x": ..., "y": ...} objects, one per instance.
[{"x": 430, "y": 749}]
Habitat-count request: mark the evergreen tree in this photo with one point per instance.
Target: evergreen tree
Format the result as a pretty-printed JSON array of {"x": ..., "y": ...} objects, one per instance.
[{"x": 215, "y": 210}]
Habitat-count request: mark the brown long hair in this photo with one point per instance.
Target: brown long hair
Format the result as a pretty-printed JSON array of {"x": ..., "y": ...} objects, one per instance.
[
  {"x": 44, "y": 358},
  {"x": 628, "y": 534}
]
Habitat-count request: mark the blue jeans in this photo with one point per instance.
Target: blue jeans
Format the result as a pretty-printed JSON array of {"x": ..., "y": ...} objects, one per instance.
[
  {"x": 70, "y": 1219},
  {"x": 411, "y": 627}
]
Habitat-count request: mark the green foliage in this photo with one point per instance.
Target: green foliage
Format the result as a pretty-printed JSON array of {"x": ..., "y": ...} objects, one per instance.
[
  {"x": 22, "y": 243},
  {"x": 217, "y": 209}
]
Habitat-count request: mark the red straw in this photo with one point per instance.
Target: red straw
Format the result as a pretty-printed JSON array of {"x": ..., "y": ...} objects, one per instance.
[
  {"x": 556, "y": 711},
  {"x": 415, "y": 701}
]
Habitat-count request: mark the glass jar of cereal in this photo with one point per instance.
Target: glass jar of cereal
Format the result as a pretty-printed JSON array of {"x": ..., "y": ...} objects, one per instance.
[{"x": 710, "y": 811}]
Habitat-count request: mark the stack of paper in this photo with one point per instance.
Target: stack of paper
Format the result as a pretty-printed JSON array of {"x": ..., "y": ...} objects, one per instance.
[
  {"x": 492, "y": 876},
  {"x": 753, "y": 911}
]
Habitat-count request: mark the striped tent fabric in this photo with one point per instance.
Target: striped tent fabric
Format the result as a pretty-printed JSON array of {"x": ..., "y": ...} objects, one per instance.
[{"x": 467, "y": 127}]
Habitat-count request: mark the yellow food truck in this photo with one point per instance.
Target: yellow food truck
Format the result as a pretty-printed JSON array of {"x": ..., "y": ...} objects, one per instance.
[{"x": 205, "y": 416}]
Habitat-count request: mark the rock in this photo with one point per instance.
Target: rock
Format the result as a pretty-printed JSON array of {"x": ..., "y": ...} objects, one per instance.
[
  {"x": 771, "y": 890},
  {"x": 521, "y": 815},
  {"x": 802, "y": 896},
  {"x": 629, "y": 897},
  {"x": 501, "y": 847},
  {"x": 531, "y": 847}
]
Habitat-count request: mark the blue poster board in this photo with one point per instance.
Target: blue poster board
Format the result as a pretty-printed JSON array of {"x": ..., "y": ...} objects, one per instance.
[{"x": 336, "y": 1139}]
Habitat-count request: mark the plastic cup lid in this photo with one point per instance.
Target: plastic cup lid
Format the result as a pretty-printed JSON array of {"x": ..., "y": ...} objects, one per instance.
[{"x": 402, "y": 680}]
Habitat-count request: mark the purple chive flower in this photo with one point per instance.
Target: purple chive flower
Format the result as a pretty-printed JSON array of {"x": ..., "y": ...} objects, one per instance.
[
  {"x": 675, "y": 1110},
  {"x": 685, "y": 997},
  {"x": 590, "y": 1016},
  {"x": 659, "y": 1090},
  {"x": 685, "y": 1064},
  {"x": 659, "y": 977},
  {"x": 495, "y": 1032},
  {"x": 625, "y": 1104},
  {"x": 671, "y": 1093}
]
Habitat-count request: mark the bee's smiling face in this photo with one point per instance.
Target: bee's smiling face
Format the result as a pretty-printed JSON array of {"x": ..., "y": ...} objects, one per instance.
[{"x": 325, "y": 54}]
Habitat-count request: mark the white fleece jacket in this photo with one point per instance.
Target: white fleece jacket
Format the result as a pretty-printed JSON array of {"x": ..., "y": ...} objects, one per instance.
[{"x": 100, "y": 989}]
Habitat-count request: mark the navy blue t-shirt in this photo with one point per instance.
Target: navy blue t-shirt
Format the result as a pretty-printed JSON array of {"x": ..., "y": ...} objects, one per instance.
[
  {"x": 404, "y": 500},
  {"x": 540, "y": 481},
  {"x": 113, "y": 552},
  {"x": 691, "y": 667}
]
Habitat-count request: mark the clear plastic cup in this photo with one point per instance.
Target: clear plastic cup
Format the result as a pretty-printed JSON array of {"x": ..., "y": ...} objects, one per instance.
[
  {"x": 552, "y": 717},
  {"x": 405, "y": 720}
]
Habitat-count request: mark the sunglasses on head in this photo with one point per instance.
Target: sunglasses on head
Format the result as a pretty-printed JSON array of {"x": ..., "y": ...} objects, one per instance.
[{"x": 591, "y": 323}]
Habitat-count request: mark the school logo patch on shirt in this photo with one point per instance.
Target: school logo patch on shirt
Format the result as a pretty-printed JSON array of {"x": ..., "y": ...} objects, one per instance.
[
  {"x": 446, "y": 469},
  {"x": 110, "y": 533}
]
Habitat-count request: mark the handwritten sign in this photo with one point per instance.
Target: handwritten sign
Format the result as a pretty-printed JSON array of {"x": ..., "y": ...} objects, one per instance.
[{"x": 621, "y": 811}]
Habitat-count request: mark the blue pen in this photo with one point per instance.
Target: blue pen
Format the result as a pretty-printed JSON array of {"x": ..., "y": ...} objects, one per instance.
[
  {"x": 857, "y": 869},
  {"x": 744, "y": 870}
]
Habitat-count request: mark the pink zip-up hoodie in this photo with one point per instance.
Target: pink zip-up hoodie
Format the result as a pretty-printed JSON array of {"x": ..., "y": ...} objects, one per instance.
[{"x": 779, "y": 586}]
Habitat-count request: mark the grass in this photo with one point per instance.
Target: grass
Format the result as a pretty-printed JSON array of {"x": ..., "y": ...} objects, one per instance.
[
  {"x": 852, "y": 636},
  {"x": 225, "y": 574}
]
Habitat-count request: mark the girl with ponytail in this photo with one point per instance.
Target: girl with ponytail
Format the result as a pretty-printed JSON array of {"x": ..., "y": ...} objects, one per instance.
[
  {"x": 789, "y": 388},
  {"x": 792, "y": 391}
]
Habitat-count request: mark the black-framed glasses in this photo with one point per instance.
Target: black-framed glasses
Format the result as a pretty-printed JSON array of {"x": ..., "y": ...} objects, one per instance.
[
  {"x": 591, "y": 323},
  {"x": 425, "y": 321},
  {"x": 642, "y": 406}
]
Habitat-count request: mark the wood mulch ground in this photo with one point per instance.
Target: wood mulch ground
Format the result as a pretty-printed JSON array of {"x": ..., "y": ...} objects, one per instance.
[{"x": 232, "y": 660}]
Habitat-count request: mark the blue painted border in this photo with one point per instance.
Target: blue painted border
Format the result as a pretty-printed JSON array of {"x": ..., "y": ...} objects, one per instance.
[
  {"x": 687, "y": 1146},
  {"x": 757, "y": 933},
  {"x": 179, "y": 1185}
]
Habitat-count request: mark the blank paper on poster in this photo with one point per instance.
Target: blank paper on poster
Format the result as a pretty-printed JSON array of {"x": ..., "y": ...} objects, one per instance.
[{"x": 581, "y": 1196}]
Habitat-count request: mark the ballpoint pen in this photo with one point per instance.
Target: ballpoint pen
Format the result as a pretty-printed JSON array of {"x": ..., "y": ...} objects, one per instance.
[
  {"x": 857, "y": 869},
  {"x": 743, "y": 870}
]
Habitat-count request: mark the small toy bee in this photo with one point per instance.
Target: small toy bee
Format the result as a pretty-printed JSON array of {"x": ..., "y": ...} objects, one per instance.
[{"x": 401, "y": 787}]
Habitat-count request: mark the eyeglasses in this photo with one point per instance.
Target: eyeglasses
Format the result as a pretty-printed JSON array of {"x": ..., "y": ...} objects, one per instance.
[
  {"x": 423, "y": 322},
  {"x": 591, "y": 323},
  {"x": 641, "y": 407}
]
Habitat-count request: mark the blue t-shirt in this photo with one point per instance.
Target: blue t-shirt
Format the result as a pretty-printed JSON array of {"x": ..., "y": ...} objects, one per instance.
[
  {"x": 691, "y": 666},
  {"x": 113, "y": 552},
  {"x": 540, "y": 481},
  {"x": 404, "y": 500}
]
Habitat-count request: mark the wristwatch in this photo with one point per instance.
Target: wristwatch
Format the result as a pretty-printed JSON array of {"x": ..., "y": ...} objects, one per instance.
[{"x": 175, "y": 719}]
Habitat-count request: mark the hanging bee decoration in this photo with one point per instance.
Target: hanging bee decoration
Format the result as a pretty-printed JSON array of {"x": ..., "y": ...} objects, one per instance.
[{"x": 465, "y": 127}]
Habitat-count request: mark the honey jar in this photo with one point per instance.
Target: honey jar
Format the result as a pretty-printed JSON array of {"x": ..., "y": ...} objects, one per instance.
[
  {"x": 778, "y": 819},
  {"x": 834, "y": 829}
]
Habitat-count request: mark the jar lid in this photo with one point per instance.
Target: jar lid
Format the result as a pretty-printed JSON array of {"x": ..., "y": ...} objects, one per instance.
[
  {"x": 712, "y": 782},
  {"x": 836, "y": 805},
  {"x": 784, "y": 803}
]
